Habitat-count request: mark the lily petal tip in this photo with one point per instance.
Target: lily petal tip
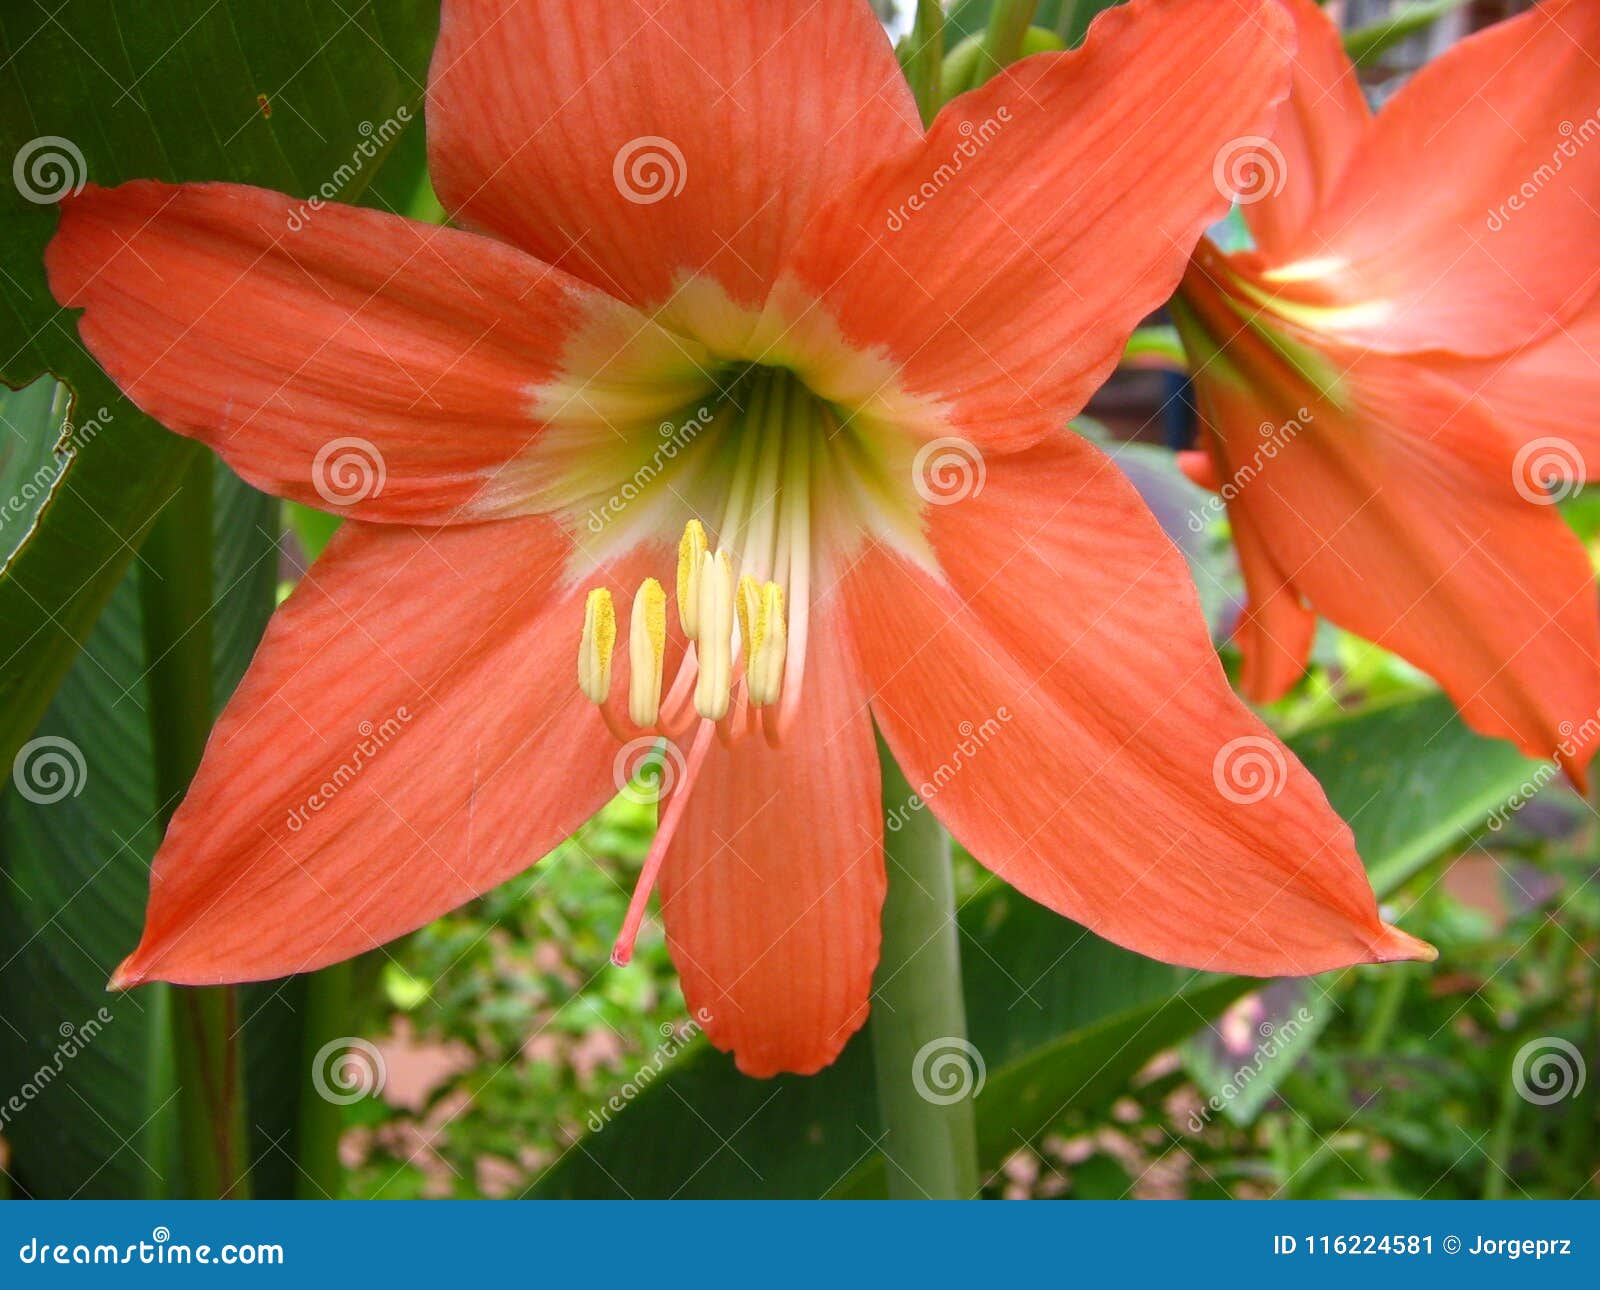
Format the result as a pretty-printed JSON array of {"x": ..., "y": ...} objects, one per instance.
[{"x": 1395, "y": 946}]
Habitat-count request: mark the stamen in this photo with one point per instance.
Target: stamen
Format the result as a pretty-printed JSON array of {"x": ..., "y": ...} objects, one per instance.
[
  {"x": 647, "y": 647},
  {"x": 691, "y": 550},
  {"x": 594, "y": 648},
  {"x": 714, "y": 641},
  {"x": 762, "y": 625}
]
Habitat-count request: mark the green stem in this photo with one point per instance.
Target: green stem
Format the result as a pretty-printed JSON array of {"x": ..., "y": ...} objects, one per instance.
[
  {"x": 176, "y": 597},
  {"x": 321, "y": 1121},
  {"x": 1009, "y": 21},
  {"x": 927, "y": 1072}
]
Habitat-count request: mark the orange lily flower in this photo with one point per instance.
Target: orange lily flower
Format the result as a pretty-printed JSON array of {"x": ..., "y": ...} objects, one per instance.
[
  {"x": 1408, "y": 356},
  {"x": 724, "y": 292}
]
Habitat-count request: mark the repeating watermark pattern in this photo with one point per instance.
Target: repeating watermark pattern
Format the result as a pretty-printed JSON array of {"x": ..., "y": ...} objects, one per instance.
[
  {"x": 49, "y": 169},
  {"x": 974, "y": 739},
  {"x": 649, "y": 169},
  {"x": 948, "y": 1069},
  {"x": 74, "y": 1039},
  {"x": 348, "y": 470},
  {"x": 948, "y": 470},
  {"x": 1548, "y": 470},
  {"x": 1275, "y": 1038},
  {"x": 675, "y": 437},
  {"x": 1275, "y": 437},
  {"x": 1249, "y": 169},
  {"x": 646, "y": 769},
  {"x": 1547, "y": 1070},
  {"x": 373, "y": 740},
  {"x": 1250, "y": 769},
  {"x": 1573, "y": 138},
  {"x": 44, "y": 480},
  {"x": 975, "y": 136},
  {"x": 347, "y": 1069},
  {"x": 1574, "y": 739},
  {"x": 48, "y": 769},
  {"x": 674, "y": 1039},
  {"x": 374, "y": 139}
]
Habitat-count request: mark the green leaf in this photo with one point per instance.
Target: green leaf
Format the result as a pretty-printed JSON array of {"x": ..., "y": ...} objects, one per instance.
[
  {"x": 1366, "y": 45},
  {"x": 111, "y": 90},
  {"x": 1061, "y": 1018},
  {"x": 75, "y": 848}
]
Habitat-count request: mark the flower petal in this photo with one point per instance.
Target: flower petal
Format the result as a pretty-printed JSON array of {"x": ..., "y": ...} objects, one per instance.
[
  {"x": 1057, "y": 703},
  {"x": 638, "y": 142},
  {"x": 1003, "y": 263},
  {"x": 1406, "y": 518},
  {"x": 1324, "y": 118},
  {"x": 409, "y": 734},
  {"x": 344, "y": 358},
  {"x": 773, "y": 886},
  {"x": 1467, "y": 220}
]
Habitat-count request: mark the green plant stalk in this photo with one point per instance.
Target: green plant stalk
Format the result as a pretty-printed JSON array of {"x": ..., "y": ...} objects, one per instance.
[
  {"x": 321, "y": 1120},
  {"x": 1009, "y": 21},
  {"x": 919, "y": 1019},
  {"x": 176, "y": 596}
]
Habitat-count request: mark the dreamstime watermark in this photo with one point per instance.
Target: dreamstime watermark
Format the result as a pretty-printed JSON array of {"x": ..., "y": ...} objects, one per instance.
[
  {"x": 1573, "y": 138},
  {"x": 44, "y": 481},
  {"x": 675, "y": 437},
  {"x": 646, "y": 769},
  {"x": 1274, "y": 1039},
  {"x": 975, "y": 136},
  {"x": 74, "y": 1039},
  {"x": 374, "y": 139},
  {"x": 49, "y": 169},
  {"x": 947, "y": 1070},
  {"x": 674, "y": 1039},
  {"x": 1547, "y": 470},
  {"x": 1569, "y": 749},
  {"x": 1275, "y": 437},
  {"x": 948, "y": 470},
  {"x": 1250, "y": 769},
  {"x": 48, "y": 769},
  {"x": 347, "y": 1069},
  {"x": 649, "y": 169},
  {"x": 1547, "y": 1070},
  {"x": 348, "y": 470},
  {"x": 160, "y": 1250},
  {"x": 374, "y": 739},
  {"x": 1249, "y": 169},
  {"x": 974, "y": 739}
]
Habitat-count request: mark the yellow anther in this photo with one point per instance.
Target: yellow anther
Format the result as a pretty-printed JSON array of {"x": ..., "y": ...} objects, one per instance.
[
  {"x": 691, "y": 554},
  {"x": 647, "y": 646},
  {"x": 594, "y": 650},
  {"x": 766, "y": 646},
  {"x": 714, "y": 640}
]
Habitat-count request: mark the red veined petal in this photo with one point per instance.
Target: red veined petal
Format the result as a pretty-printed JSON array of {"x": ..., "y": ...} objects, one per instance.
[
  {"x": 349, "y": 359},
  {"x": 409, "y": 734},
  {"x": 640, "y": 141},
  {"x": 1056, "y": 701},
  {"x": 773, "y": 885},
  {"x": 1003, "y": 263}
]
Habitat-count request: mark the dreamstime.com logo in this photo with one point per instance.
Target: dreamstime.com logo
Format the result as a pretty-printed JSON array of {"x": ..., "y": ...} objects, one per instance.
[
  {"x": 948, "y": 1069},
  {"x": 1250, "y": 769},
  {"x": 1574, "y": 740},
  {"x": 1275, "y": 438},
  {"x": 674, "y": 1039},
  {"x": 1274, "y": 1039},
  {"x": 675, "y": 437},
  {"x": 974, "y": 137},
  {"x": 160, "y": 1249},
  {"x": 47, "y": 478},
  {"x": 1249, "y": 169},
  {"x": 48, "y": 769},
  {"x": 374, "y": 739},
  {"x": 948, "y": 470},
  {"x": 48, "y": 169},
  {"x": 348, "y": 470},
  {"x": 374, "y": 139},
  {"x": 1547, "y": 470},
  {"x": 649, "y": 169},
  {"x": 974, "y": 739},
  {"x": 347, "y": 1069},
  {"x": 1573, "y": 137},
  {"x": 1547, "y": 1070},
  {"x": 74, "y": 1039},
  {"x": 646, "y": 769}
]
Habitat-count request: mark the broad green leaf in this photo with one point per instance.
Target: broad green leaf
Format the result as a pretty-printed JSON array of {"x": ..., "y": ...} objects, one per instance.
[
  {"x": 78, "y": 827},
  {"x": 1059, "y": 1017},
  {"x": 282, "y": 95}
]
